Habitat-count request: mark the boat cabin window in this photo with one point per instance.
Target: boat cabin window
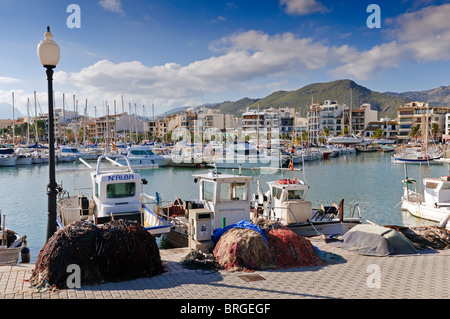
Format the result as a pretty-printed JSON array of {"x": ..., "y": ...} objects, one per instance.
[
  {"x": 276, "y": 192},
  {"x": 233, "y": 191},
  {"x": 208, "y": 191},
  {"x": 120, "y": 190},
  {"x": 446, "y": 186},
  {"x": 96, "y": 189},
  {"x": 295, "y": 193},
  {"x": 431, "y": 185},
  {"x": 141, "y": 152}
]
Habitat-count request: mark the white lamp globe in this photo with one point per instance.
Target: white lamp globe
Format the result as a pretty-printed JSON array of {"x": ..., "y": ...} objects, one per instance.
[{"x": 48, "y": 51}]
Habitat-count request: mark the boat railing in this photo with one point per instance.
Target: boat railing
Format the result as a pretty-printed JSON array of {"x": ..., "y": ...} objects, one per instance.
[{"x": 357, "y": 208}]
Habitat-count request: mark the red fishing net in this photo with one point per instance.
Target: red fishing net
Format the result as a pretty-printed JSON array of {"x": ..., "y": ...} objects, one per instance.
[{"x": 247, "y": 249}]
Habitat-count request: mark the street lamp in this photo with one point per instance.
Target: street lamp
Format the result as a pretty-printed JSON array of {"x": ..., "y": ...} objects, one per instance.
[{"x": 49, "y": 54}]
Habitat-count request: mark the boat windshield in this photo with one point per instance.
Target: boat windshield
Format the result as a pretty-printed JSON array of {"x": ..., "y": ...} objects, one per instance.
[
  {"x": 295, "y": 193},
  {"x": 120, "y": 190},
  {"x": 233, "y": 191},
  {"x": 141, "y": 152}
]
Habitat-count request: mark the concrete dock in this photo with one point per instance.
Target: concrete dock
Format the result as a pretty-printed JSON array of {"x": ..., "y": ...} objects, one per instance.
[{"x": 422, "y": 276}]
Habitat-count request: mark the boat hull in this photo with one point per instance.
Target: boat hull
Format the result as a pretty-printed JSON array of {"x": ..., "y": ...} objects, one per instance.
[
  {"x": 436, "y": 214},
  {"x": 7, "y": 161}
]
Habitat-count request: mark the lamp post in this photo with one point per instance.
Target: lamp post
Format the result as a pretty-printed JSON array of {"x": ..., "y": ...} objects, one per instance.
[{"x": 49, "y": 54}]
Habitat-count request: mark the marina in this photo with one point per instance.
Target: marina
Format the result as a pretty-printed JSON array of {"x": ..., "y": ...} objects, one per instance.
[
  {"x": 367, "y": 179},
  {"x": 247, "y": 184}
]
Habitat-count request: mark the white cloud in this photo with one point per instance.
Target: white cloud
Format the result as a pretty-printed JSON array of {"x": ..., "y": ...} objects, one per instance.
[
  {"x": 254, "y": 59},
  {"x": 303, "y": 7},
  {"x": 8, "y": 80},
  {"x": 112, "y": 5},
  {"x": 425, "y": 33}
]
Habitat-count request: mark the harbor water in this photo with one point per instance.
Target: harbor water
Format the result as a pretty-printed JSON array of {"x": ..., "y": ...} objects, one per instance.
[{"x": 367, "y": 179}]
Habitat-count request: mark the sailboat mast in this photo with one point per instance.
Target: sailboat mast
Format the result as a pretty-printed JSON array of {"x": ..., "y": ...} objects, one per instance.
[
  {"x": 28, "y": 121},
  {"x": 14, "y": 123},
  {"x": 35, "y": 119}
]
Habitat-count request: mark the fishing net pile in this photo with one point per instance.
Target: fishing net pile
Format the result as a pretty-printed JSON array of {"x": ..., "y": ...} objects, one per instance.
[
  {"x": 116, "y": 251},
  {"x": 243, "y": 249},
  {"x": 275, "y": 247},
  {"x": 427, "y": 236},
  {"x": 288, "y": 248}
]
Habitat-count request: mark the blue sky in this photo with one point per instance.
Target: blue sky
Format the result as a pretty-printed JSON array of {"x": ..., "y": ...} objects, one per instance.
[{"x": 180, "y": 53}]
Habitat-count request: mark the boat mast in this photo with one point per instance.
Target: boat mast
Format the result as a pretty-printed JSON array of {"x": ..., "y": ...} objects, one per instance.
[
  {"x": 35, "y": 119},
  {"x": 14, "y": 123},
  {"x": 64, "y": 118},
  {"x": 85, "y": 125},
  {"x": 28, "y": 121}
]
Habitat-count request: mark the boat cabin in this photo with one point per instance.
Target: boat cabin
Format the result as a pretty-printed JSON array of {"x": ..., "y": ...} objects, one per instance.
[
  {"x": 288, "y": 201},
  {"x": 116, "y": 193},
  {"x": 228, "y": 196},
  {"x": 437, "y": 191}
]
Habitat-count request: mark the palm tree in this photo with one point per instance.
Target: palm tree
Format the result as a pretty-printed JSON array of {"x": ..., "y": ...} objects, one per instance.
[
  {"x": 435, "y": 130},
  {"x": 414, "y": 132},
  {"x": 378, "y": 133}
]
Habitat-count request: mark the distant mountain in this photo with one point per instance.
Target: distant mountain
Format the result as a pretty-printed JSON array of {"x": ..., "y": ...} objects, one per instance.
[
  {"x": 436, "y": 97},
  {"x": 6, "y": 111},
  {"x": 339, "y": 90}
]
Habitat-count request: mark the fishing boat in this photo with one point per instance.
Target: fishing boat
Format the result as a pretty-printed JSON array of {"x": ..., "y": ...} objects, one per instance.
[
  {"x": 224, "y": 199},
  {"x": 11, "y": 245},
  {"x": 116, "y": 194},
  {"x": 286, "y": 202},
  {"x": 433, "y": 203}
]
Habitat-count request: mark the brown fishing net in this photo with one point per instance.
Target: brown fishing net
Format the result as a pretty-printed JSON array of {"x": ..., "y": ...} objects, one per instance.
[
  {"x": 288, "y": 248},
  {"x": 246, "y": 249},
  {"x": 243, "y": 249},
  {"x": 119, "y": 250},
  {"x": 427, "y": 236}
]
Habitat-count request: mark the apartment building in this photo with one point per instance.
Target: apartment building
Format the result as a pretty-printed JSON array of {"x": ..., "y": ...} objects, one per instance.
[
  {"x": 330, "y": 115},
  {"x": 387, "y": 125},
  {"x": 362, "y": 116},
  {"x": 416, "y": 114}
]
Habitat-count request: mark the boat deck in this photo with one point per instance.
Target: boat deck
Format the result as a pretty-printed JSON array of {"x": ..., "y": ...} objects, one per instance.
[{"x": 422, "y": 276}]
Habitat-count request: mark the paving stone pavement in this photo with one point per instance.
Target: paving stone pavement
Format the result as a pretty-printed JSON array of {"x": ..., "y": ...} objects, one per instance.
[{"x": 423, "y": 276}]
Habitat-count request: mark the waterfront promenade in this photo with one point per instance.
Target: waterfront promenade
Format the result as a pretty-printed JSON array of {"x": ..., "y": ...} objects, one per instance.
[{"x": 423, "y": 276}]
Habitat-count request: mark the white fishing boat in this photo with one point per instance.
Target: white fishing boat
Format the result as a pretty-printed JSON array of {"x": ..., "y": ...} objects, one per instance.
[
  {"x": 286, "y": 202},
  {"x": 224, "y": 199},
  {"x": 115, "y": 194},
  {"x": 143, "y": 155},
  {"x": 11, "y": 245},
  {"x": 433, "y": 203}
]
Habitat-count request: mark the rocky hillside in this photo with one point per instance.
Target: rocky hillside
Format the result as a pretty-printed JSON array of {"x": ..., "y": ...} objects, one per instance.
[{"x": 386, "y": 104}]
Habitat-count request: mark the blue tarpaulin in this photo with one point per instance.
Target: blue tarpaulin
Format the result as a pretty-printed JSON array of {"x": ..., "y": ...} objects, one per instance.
[{"x": 218, "y": 232}]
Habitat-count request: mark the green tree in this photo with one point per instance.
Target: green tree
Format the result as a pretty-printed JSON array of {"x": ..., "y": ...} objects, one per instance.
[
  {"x": 414, "y": 132},
  {"x": 378, "y": 133},
  {"x": 435, "y": 129}
]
